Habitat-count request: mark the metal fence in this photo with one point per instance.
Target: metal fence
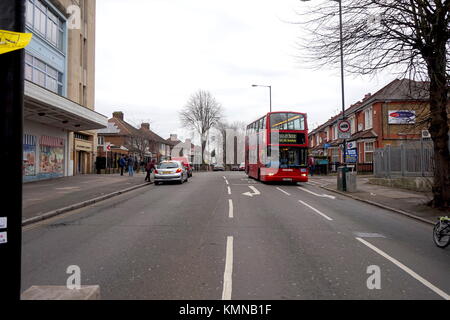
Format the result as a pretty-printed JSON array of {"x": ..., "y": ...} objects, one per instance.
[{"x": 411, "y": 159}]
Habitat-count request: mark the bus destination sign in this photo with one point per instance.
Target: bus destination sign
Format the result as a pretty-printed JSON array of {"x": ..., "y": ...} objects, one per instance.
[{"x": 292, "y": 138}]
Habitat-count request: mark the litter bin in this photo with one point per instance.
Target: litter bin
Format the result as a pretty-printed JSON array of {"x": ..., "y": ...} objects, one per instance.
[
  {"x": 346, "y": 179},
  {"x": 350, "y": 181}
]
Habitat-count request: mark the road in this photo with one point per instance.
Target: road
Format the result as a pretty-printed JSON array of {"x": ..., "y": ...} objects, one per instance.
[{"x": 223, "y": 236}]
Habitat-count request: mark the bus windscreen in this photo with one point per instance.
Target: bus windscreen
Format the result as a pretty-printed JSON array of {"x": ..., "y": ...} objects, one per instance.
[{"x": 287, "y": 121}]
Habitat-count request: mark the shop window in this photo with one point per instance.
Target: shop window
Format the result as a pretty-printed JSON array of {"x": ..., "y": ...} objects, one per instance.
[{"x": 29, "y": 155}]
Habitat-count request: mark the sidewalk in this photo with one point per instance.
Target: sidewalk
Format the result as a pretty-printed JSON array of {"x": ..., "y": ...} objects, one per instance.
[
  {"x": 49, "y": 195},
  {"x": 400, "y": 200}
]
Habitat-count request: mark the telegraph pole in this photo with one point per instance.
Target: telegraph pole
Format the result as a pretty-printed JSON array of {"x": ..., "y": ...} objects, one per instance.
[{"x": 12, "y": 18}]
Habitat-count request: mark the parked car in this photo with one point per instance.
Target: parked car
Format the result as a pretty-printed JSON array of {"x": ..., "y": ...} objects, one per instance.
[
  {"x": 171, "y": 171},
  {"x": 218, "y": 167},
  {"x": 234, "y": 168},
  {"x": 186, "y": 164},
  {"x": 242, "y": 166}
]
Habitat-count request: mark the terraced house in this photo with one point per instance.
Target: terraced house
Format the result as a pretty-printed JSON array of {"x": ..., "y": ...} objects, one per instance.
[
  {"x": 125, "y": 139},
  {"x": 395, "y": 114},
  {"x": 59, "y": 116}
]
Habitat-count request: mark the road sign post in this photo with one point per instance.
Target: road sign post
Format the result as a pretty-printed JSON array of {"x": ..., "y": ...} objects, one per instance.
[{"x": 344, "y": 133}]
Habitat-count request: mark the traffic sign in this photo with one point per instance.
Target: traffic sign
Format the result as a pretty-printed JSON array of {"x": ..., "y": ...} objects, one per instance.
[
  {"x": 344, "y": 126},
  {"x": 107, "y": 146}
]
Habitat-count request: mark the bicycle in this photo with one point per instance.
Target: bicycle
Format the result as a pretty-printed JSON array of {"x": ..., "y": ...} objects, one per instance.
[{"x": 441, "y": 232}]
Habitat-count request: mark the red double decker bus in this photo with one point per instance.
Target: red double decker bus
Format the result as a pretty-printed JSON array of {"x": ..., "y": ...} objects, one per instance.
[{"x": 276, "y": 147}]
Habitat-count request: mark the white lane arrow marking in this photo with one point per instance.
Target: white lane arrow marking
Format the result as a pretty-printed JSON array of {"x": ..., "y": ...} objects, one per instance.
[
  {"x": 318, "y": 195},
  {"x": 255, "y": 192}
]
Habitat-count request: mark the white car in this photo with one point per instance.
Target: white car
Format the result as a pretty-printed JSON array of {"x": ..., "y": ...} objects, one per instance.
[{"x": 170, "y": 171}]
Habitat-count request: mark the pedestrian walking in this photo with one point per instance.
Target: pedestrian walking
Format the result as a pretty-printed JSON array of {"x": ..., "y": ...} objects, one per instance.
[
  {"x": 149, "y": 168},
  {"x": 130, "y": 164},
  {"x": 311, "y": 165},
  {"x": 122, "y": 164}
]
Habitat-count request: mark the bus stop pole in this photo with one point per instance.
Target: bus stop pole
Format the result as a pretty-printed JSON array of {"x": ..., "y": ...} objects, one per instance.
[{"x": 12, "y": 18}]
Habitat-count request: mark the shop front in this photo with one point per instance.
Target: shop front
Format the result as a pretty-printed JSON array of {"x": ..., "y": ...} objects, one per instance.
[
  {"x": 44, "y": 156},
  {"x": 48, "y": 142},
  {"x": 83, "y": 156}
]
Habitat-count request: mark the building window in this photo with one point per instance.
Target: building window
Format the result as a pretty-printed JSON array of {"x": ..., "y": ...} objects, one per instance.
[
  {"x": 353, "y": 125},
  {"x": 81, "y": 136},
  {"x": 368, "y": 152},
  {"x": 335, "y": 130},
  {"x": 368, "y": 119},
  {"x": 40, "y": 18},
  {"x": 101, "y": 140},
  {"x": 42, "y": 74}
]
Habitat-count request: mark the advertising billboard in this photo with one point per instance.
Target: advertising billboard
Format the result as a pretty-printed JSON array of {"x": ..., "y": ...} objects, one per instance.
[{"x": 402, "y": 117}]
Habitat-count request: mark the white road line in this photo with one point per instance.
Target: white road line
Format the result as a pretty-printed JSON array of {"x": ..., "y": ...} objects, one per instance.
[
  {"x": 318, "y": 195},
  {"x": 315, "y": 210},
  {"x": 230, "y": 209},
  {"x": 228, "y": 274},
  {"x": 256, "y": 192},
  {"x": 283, "y": 191},
  {"x": 226, "y": 181},
  {"x": 229, "y": 190},
  {"x": 406, "y": 269}
]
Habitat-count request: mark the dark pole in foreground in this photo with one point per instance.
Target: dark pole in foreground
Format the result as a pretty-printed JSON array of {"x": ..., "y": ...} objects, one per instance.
[{"x": 12, "y": 18}]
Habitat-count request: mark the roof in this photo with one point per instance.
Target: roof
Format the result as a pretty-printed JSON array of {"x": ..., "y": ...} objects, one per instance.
[
  {"x": 367, "y": 134},
  {"x": 123, "y": 128}
]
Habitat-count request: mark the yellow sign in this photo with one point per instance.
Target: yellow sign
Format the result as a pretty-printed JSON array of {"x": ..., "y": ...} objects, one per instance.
[{"x": 10, "y": 41}]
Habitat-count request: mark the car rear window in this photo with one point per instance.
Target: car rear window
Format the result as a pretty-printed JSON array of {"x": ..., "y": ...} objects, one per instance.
[{"x": 168, "y": 165}]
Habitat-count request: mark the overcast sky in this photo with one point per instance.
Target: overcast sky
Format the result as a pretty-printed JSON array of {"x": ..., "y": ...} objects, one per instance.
[{"x": 153, "y": 54}]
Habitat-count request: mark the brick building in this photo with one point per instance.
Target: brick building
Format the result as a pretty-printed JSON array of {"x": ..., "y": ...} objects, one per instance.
[
  {"x": 393, "y": 115},
  {"x": 125, "y": 139}
]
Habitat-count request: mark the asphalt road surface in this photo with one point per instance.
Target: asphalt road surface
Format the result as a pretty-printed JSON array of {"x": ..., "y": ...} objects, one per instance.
[{"x": 223, "y": 236}]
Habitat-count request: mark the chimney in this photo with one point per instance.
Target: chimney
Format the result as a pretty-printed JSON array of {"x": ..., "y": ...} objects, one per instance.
[
  {"x": 118, "y": 115},
  {"x": 367, "y": 96},
  {"x": 173, "y": 137},
  {"x": 145, "y": 126}
]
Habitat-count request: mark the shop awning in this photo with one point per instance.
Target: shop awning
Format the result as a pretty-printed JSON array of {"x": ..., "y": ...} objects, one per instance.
[{"x": 44, "y": 106}]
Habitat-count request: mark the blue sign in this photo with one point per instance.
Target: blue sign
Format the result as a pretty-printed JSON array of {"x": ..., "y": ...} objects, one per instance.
[{"x": 351, "y": 156}]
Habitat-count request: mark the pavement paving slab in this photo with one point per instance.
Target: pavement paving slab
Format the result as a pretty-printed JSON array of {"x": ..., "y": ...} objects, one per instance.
[{"x": 45, "y": 196}]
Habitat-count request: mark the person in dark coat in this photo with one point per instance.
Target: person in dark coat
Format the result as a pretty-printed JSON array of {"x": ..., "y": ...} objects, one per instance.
[
  {"x": 130, "y": 164},
  {"x": 149, "y": 168},
  {"x": 122, "y": 164}
]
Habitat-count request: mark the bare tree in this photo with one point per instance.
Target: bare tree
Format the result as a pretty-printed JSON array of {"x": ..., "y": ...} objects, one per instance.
[
  {"x": 138, "y": 143},
  {"x": 407, "y": 36},
  {"x": 201, "y": 113}
]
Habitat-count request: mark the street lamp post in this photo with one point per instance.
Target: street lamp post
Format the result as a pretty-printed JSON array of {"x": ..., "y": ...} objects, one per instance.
[{"x": 270, "y": 93}]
